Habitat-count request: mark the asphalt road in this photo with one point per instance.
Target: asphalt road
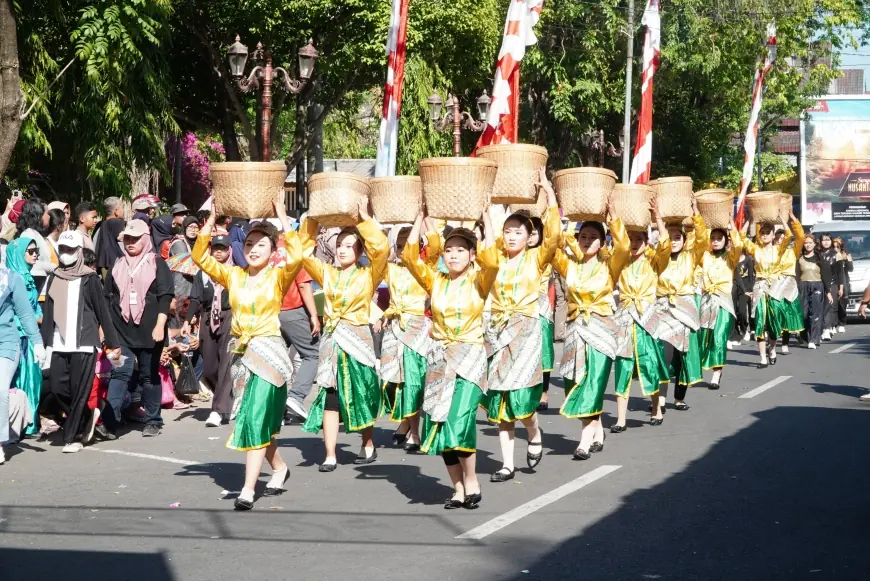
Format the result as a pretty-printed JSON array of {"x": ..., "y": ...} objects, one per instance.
[{"x": 774, "y": 486}]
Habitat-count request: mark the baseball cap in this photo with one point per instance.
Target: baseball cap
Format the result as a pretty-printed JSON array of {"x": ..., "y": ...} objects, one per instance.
[
  {"x": 179, "y": 209},
  {"x": 221, "y": 240},
  {"x": 144, "y": 202},
  {"x": 71, "y": 239},
  {"x": 57, "y": 206},
  {"x": 136, "y": 229}
]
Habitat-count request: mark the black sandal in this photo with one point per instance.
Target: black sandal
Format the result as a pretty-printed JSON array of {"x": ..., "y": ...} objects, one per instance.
[
  {"x": 681, "y": 406},
  {"x": 657, "y": 421},
  {"x": 581, "y": 454},
  {"x": 279, "y": 490},
  {"x": 714, "y": 386},
  {"x": 502, "y": 475},
  {"x": 452, "y": 504},
  {"x": 366, "y": 459},
  {"x": 472, "y": 501},
  {"x": 597, "y": 446},
  {"x": 534, "y": 459},
  {"x": 617, "y": 429},
  {"x": 399, "y": 439},
  {"x": 242, "y": 504}
]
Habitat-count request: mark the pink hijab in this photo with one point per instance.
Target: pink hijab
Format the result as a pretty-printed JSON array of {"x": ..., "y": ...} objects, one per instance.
[{"x": 134, "y": 274}]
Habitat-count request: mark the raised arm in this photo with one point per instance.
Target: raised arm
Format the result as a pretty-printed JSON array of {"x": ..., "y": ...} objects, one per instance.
[
  {"x": 487, "y": 263},
  {"x": 422, "y": 272},
  {"x": 799, "y": 235},
  {"x": 662, "y": 253},
  {"x": 307, "y": 241},
  {"x": 552, "y": 225},
  {"x": 786, "y": 239},
  {"x": 621, "y": 253},
  {"x": 217, "y": 271},
  {"x": 488, "y": 232},
  {"x": 561, "y": 262},
  {"x": 376, "y": 243},
  {"x": 748, "y": 244},
  {"x": 291, "y": 245},
  {"x": 702, "y": 238},
  {"x": 736, "y": 246}
]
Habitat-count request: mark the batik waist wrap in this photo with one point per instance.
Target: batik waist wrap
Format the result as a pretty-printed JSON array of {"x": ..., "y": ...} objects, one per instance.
[
  {"x": 266, "y": 357},
  {"x": 414, "y": 334},
  {"x": 446, "y": 363},
  {"x": 784, "y": 288},
  {"x": 545, "y": 309},
  {"x": 600, "y": 333},
  {"x": 515, "y": 353},
  {"x": 675, "y": 319},
  {"x": 354, "y": 340},
  {"x": 710, "y": 305}
]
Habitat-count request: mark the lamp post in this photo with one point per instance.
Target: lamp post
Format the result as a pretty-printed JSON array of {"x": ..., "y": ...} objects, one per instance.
[
  {"x": 265, "y": 74},
  {"x": 454, "y": 118}
]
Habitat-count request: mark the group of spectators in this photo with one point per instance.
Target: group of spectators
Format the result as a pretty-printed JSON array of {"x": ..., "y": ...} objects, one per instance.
[{"x": 103, "y": 320}]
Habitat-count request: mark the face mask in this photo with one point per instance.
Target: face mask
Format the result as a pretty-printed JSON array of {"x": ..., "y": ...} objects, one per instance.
[{"x": 67, "y": 259}]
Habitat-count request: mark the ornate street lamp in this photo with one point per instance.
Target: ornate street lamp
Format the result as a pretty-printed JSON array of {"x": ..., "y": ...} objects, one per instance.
[
  {"x": 237, "y": 57},
  {"x": 454, "y": 118}
]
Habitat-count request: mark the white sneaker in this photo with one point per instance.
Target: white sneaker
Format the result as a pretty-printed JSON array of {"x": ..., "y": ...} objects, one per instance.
[
  {"x": 730, "y": 345},
  {"x": 785, "y": 349},
  {"x": 841, "y": 329},
  {"x": 833, "y": 330},
  {"x": 746, "y": 337},
  {"x": 297, "y": 408},
  {"x": 213, "y": 421},
  {"x": 865, "y": 397},
  {"x": 811, "y": 345},
  {"x": 826, "y": 335},
  {"x": 73, "y": 448}
]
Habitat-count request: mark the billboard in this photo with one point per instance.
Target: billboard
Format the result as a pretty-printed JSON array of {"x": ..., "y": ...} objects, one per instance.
[{"x": 835, "y": 160}]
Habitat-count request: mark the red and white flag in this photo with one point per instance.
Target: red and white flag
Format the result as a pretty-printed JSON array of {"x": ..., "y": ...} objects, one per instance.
[
  {"x": 389, "y": 135},
  {"x": 652, "y": 46},
  {"x": 752, "y": 132},
  {"x": 502, "y": 122}
]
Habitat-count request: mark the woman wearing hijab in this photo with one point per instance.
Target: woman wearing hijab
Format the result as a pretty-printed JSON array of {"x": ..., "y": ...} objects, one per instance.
[
  {"x": 180, "y": 246},
  {"x": 210, "y": 302},
  {"x": 34, "y": 223},
  {"x": 75, "y": 310},
  {"x": 349, "y": 387},
  {"x": 140, "y": 290},
  {"x": 21, "y": 255},
  {"x": 261, "y": 366},
  {"x": 14, "y": 309}
]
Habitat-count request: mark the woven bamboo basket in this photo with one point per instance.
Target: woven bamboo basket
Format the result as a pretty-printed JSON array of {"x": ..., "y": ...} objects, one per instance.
[
  {"x": 675, "y": 197},
  {"x": 631, "y": 204},
  {"x": 785, "y": 203},
  {"x": 716, "y": 207},
  {"x": 247, "y": 189},
  {"x": 583, "y": 192},
  {"x": 764, "y": 206},
  {"x": 396, "y": 199},
  {"x": 334, "y": 198},
  {"x": 456, "y": 188},
  {"x": 535, "y": 210},
  {"x": 518, "y": 168}
]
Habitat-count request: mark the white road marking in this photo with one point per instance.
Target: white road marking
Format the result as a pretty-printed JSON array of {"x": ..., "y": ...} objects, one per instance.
[
  {"x": 146, "y": 456},
  {"x": 528, "y": 508},
  {"x": 842, "y": 348},
  {"x": 761, "y": 389}
]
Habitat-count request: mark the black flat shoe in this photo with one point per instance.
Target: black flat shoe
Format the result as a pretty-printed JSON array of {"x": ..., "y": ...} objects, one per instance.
[
  {"x": 714, "y": 386},
  {"x": 581, "y": 454},
  {"x": 242, "y": 504},
  {"x": 452, "y": 504},
  {"x": 534, "y": 459},
  {"x": 656, "y": 421},
  {"x": 597, "y": 446},
  {"x": 681, "y": 406},
  {"x": 410, "y": 447},
  {"x": 617, "y": 429},
  {"x": 327, "y": 467},
  {"x": 543, "y": 406},
  {"x": 763, "y": 365},
  {"x": 277, "y": 491},
  {"x": 773, "y": 360},
  {"x": 399, "y": 439},
  {"x": 366, "y": 459},
  {"x": 503, "y": 475},
  {"x": 472, "y": 501}
]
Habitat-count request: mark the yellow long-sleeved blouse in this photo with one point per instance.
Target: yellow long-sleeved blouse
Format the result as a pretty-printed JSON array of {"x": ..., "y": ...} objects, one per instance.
[
  {"x": 545, "y": 280},
  {"x": 407, "y": 297},
  {"x": 718, "y": 268},
  {"x": 457, "y": 305},
  {"x": 255, "y": 302},
  {"x": 589, "y": 286},
  {"x": 347, "y": 293},
  {"x": 518, "y": 285},
  {"x": 787, "y": 263},
  {"x": 678, "y": 278},
  {"x": 639, "y": 278},
  {"x": 767, "y": 257}
]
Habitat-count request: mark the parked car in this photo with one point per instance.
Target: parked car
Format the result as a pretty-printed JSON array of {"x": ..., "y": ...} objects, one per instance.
[{"x": 856, "y": 235}]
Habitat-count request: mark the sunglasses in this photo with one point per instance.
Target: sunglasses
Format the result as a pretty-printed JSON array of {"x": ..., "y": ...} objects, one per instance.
[{"x": 33, "y": 252}]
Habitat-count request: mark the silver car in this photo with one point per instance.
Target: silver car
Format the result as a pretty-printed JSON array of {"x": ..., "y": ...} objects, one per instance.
[{"x": 856, "y": 235}]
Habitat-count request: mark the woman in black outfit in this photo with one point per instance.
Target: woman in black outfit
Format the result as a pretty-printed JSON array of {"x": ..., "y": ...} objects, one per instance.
[
  {"x": 741, "y": 291},
  {"x": 845, "y": 266},
  {"x": 140, "y": 290},
  {"x": 814, "y": 281},
  {"x": 835, "y": 284}
]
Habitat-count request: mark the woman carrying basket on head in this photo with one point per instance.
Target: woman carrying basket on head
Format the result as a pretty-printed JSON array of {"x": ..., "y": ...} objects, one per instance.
[
  {"x": 677, "y": 309},
  {"x": 591, "y": 336},
  {"x": 514, "y": 333},
  {"x": 407, "y": 342},
  {"x": 768, "y": 309},
  {"x": 717, "y": 304},
  {"x": 456, "y": 374},
  {"x": 787, "y": 286},
  {"x": 349, "y": 387},
  {"x": 261, "y": 366}
]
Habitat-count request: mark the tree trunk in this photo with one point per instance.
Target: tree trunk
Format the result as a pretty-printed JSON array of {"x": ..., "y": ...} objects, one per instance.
[{"x": 11, "y": 97}]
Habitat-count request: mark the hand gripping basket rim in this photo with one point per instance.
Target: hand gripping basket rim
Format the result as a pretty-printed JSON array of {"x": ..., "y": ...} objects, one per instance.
[
  {"x": 334, "y": 198},
  {"x": 518, "y": 167}
]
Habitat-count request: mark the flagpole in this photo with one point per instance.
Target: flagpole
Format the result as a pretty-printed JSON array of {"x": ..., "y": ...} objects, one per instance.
[{"x": 626, "y": 147}]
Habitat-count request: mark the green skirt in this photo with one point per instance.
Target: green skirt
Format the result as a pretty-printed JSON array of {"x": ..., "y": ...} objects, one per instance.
[
  {"x": 510, "y": 406},
  {"x": 648, "y": 365},
  {"x": 459, "y": 431},
  {"x": 359, "y": 397},
  {"x": 409, "y": 395},
  {"x": 793, "y": 318},
  {"x": 586, "y": 399},
  {"x": 548, "y": 350},
  {"x": 770, "y": 317},
  {"x": 690, "y": 370},
  {"x": 260, "y": 415},
  {"x": 714, "y": 342}
]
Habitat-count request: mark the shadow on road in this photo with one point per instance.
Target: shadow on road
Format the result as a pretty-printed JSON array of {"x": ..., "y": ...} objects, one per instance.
[{"x": 37, "y": 565}]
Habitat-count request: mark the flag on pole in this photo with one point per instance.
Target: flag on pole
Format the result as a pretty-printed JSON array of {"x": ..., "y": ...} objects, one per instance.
[
  {"x": 502, "y": 121},
  {"x": 652, "y": 46},
  {"x": 752, "y": 130},
  {"x": 389, "y": 134}
]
